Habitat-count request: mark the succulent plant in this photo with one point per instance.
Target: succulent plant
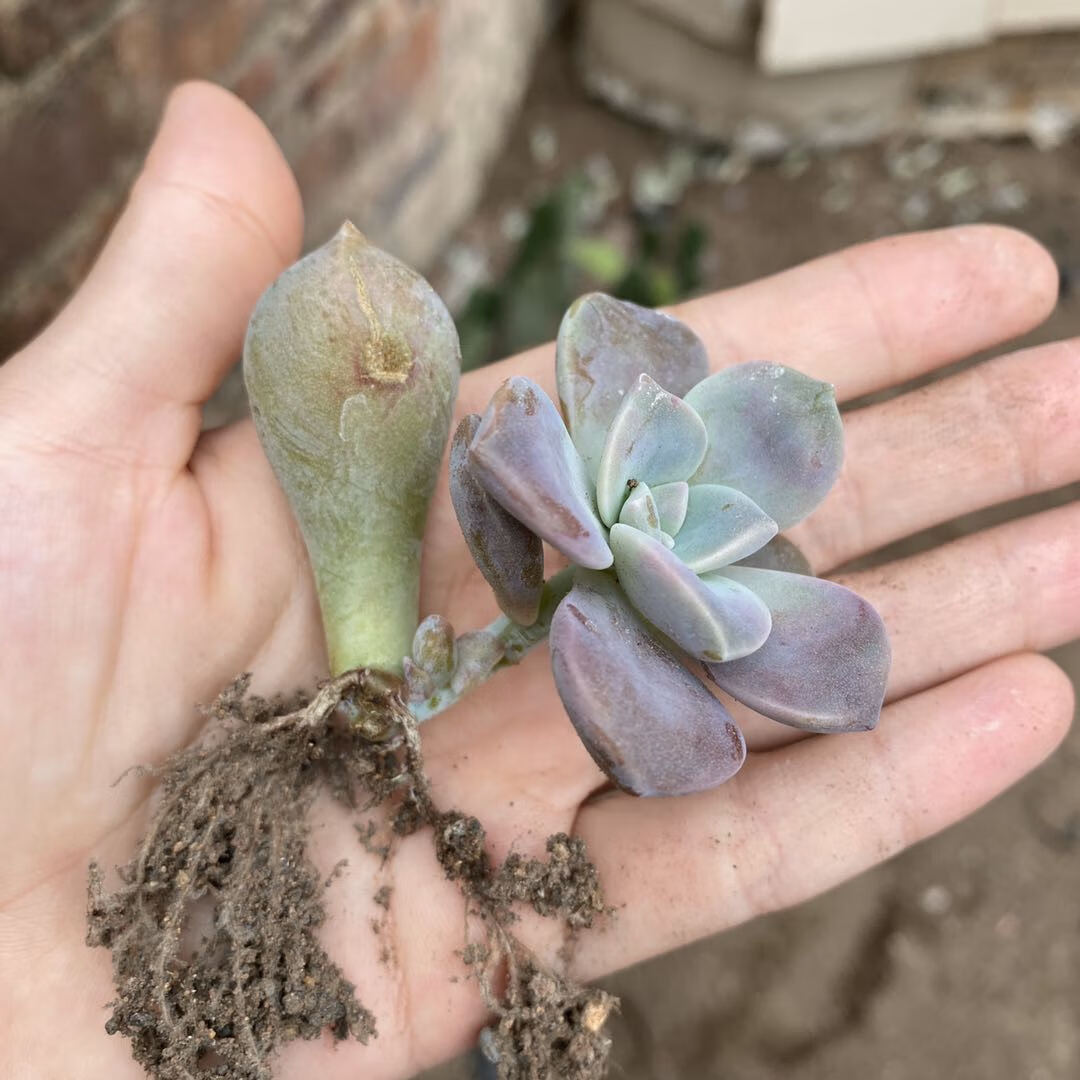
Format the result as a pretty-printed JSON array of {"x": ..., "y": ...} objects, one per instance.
[{"x": 666, "y": 488}]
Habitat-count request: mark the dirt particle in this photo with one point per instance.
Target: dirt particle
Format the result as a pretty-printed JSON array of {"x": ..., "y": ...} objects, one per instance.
[{"x": 553, "y": 1029}]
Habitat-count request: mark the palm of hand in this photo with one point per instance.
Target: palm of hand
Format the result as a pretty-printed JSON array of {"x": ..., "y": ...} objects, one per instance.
[{"x": 142, "y": 567}]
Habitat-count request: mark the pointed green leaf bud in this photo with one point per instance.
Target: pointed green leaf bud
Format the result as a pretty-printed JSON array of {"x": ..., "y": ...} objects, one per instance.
[{"x": 351, "y": 363}]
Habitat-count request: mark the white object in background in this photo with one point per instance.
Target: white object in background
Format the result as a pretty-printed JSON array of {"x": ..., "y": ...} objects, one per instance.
[
  {"x": 800, "y": 35},
  {"x": 1017, "y": 16}
]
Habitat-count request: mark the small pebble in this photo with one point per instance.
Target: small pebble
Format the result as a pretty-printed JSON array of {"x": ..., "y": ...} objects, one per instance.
[
  {"x": 514, "y": 224},
  {"x": 936, "y": 900},
  {"x": 543, "y": 144},
  {"x": 761, "y": 139},
  {"x": 1010, "y": 198},
  {"x": 795, "y": 163},
  {"x": 915, "y": 209},
  {"x": 1008, "y": 926},
  {"x": 956, "y": 183},
  {"x": 730, "y": 168},
  {"x": 838, "y": 199},
  {"x": 1049, "y": 125}
]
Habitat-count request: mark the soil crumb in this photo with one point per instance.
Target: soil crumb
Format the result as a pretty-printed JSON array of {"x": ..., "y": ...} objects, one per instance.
[
  {"x": 553, "y": 1029},
  {"x": 565, "y": 885},
  {"x": 213, "y": 926}
]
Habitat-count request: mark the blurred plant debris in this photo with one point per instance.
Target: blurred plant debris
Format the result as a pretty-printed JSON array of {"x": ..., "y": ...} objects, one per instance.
[
  {"x": 565, "y": 248},
  {"x": 654, "y": 234}
]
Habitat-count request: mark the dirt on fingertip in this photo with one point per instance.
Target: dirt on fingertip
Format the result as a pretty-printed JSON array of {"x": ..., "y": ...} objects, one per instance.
[{"x": 213, "y": 927}]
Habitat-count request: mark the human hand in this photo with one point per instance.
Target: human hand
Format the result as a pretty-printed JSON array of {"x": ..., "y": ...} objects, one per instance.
[{"x": 143, "y": 565}]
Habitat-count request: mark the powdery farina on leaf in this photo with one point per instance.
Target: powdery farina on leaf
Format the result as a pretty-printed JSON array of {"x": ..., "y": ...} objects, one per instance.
[
  {"x": 825, "y": 663},
  {"x": 774, "y": 434},
  {"x": 647, "y": 722},
  {"x": 706, "y": 623},
  {"x": 509, "y": 554},
  {"x": 603, "y": 346},
  {"x": 525, "y": 458},
  {"x": 654, "y": 437}
]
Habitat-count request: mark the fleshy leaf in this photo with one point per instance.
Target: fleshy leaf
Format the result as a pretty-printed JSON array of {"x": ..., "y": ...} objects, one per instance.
[
  {"x": 826, "y": 662},
  {"x": 672, "y": 501},
  {"x": 477, "y": 654},
  {"x": 647, "y": 721},
  {"x": 523, "y": 455},
  {"x": 418, "y": 683},
  {"x": 603, "y": 346},
  {"x": 779, "y": 554},
  {"x": 655, "y": 438},
  {"x": 774, "y": 434},
  {"x": 708, "y": 623},
  {"x": 722, "y": 525},
  {"x": 351, "y": 365},
  {"x": 640, "y": 512},
  {"x": 433, "y": 649},
  {"x": 508, "y": 554}
]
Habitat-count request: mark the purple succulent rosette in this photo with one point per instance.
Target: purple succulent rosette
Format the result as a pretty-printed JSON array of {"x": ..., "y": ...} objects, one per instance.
[{"x": 666, "y": 488}]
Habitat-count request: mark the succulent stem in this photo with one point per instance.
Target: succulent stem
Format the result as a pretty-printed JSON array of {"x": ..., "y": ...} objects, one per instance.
[{"x": 515, "y": 639}]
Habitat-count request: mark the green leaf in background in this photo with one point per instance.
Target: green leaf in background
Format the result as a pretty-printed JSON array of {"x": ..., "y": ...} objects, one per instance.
[
  {"x": 598, "y": 258},
  {"x": 565, "y": 253}
]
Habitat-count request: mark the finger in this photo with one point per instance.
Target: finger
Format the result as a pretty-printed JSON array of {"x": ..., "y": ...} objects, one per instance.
[
  {"x": 1000, "y": 430},
  {"x": 865, "y": 318},
  {"x": 1004, "y": 590},
  {"x": 800, "y": 820},
  {"x": 213, "y": 218}
]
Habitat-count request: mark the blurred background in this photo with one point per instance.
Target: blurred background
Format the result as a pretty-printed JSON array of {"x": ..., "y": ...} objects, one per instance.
[{"x": 523, "y": 151}]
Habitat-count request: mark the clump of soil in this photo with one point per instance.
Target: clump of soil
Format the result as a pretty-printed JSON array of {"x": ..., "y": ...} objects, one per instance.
[
  {"x": 213, "y": 926},
  {"x": 546, "y": 1026},
  {"x": 564, "y": 885}
]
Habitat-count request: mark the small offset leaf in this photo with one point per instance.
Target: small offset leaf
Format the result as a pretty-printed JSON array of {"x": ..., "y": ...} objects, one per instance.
[
  {"x": 419, "y": 685},
  {"x": 507, "y": 553},
  {"x": 774, "y": 434},
  {"x": 433, "y": 649},
  {"x": 708, "y": 623},
  {"x": 722, "y": 525},
  {"x": 826, "y": 662},
  {"x": 603, "y": 346},
  {"x": 655, "y": 438},
  {"x": 672, "y": 501},
  {"x": 647, "y": 721},
  {"x": 640, "y": 512},
  {"x": 779, "y": 554},
  {"x": 477, "y": 654},
  {"x": 523, "y": 456}
]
